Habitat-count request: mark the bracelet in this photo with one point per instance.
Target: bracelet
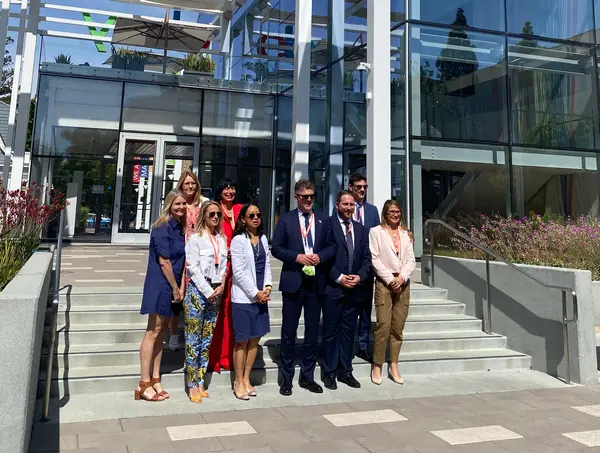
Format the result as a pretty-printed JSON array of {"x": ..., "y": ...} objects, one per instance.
[{"x": 269, "y": 286}]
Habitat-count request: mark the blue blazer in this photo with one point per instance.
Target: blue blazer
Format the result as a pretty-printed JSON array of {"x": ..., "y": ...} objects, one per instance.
[
  {"x": 361, "y": 264},
  {"x": 287, "y": 245},
  {"x": 371, "y": 216}
]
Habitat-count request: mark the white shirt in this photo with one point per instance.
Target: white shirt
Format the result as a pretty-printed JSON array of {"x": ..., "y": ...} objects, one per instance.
[
  {"x": 200, "y": 261},
  {"x": 339, "y": 279},
  {"x": 302, "y": 220}
]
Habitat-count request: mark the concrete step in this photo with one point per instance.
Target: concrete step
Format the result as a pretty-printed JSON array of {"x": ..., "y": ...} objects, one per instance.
[
  {"x": 123, "y": 378},
  {"x": 97, "y": 355},
  {"x": 133, "y": 296},
  {"x": 103, "y": 314},
  {"x": 131, "y": 332}
]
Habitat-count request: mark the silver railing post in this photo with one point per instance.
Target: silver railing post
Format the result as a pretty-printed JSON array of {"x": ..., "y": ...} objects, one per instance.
[
  {"x": 566, "y": 336},
  {"x": 488, "y": 295},
  {"x": 431, "y": 254},
  {"x": 53, "y": 314}
]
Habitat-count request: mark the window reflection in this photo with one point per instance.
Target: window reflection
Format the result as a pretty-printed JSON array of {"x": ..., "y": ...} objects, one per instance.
[
  {"x": 488, "y": 14},
  {"x": 462, "y": 84},
  {"x": 553, "y": 102}
]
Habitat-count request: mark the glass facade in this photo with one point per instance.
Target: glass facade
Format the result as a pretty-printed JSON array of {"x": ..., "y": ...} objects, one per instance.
[{"x": 504, "y": 109}]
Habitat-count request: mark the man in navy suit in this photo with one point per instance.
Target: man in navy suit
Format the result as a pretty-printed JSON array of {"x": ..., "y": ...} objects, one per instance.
[
  {"x": 344, "y": 296},
  {"x": 300, "y": 242},
  {"x": 367, "y": 215}
]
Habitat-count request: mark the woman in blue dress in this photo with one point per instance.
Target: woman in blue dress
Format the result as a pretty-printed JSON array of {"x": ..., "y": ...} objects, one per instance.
[
  {"x": 250, "y": 293},
  {"x": 163, "y": 287}
]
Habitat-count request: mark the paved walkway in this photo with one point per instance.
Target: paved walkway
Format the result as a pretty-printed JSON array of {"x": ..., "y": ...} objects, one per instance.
[{"x": 562, "y": 419}]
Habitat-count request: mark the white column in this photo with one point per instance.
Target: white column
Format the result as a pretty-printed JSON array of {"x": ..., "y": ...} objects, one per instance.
[
  {"x": 27, "y": 72},
  {"x": 225, "y": 35},
  {"x": 12, "y": 113},
  {"x": 335, "y": 101},
  {"x": 4, "y": 25},
  {"x": 379, "y": 173},
  {"x": 301, "y": 103}
]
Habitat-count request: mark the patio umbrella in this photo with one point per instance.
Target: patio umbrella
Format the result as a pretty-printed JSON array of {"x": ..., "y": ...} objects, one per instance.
[{"x": 160, "y": 35}]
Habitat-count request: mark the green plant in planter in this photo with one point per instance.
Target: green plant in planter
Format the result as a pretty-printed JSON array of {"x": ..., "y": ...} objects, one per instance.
[
  {"x": 199, "y": 62},
  {"x": 349, "y": 79},
  {"x": 125, "y": 58},
  {"x": 62, "y": 59}
]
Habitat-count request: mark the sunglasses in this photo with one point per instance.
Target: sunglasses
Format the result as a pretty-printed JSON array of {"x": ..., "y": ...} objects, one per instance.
[
  {"x": 211, "y": 215},
  {"x": 361, "y": 186},
  {"x": 394, "y": 213},
  {"x": 307, "y": 197},
  {"x": 252, "y": 216}
]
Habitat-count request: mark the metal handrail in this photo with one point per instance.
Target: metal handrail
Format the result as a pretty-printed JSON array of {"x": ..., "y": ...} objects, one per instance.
[
  {"x": 53, "y": 321},
  {"x": 488, "y": 252}
]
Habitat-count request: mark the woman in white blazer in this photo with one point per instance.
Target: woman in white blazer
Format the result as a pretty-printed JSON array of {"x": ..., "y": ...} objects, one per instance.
[
  {"x": 393, "y": 259},
  {"x": 250, "y": 292}
]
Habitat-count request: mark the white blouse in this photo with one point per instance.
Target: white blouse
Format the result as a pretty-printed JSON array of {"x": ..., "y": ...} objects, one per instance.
[{"x": 200, "y": 261}]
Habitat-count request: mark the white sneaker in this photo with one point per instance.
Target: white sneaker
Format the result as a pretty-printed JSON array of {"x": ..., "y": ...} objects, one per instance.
[{"x": 174, "y": 343}]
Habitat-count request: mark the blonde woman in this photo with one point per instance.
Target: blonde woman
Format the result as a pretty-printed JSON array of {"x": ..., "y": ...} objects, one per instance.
[
  {"x": 162, "y": 291},
  {"x": 206, "y": 264},
  {"x": 393, "y": 259},
  {"x": 189, "y": 185}
]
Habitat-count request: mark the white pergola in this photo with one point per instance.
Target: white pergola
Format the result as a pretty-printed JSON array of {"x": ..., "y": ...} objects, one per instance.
[{"x": 218, "y": 29}]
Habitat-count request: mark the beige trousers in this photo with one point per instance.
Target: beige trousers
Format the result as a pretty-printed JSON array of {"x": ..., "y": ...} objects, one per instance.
[{"x": 391, "y": 310}]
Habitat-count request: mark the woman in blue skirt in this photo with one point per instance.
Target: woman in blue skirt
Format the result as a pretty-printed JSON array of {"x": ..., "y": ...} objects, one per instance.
[
  {"x": 251, "y": 290},
  {"x": 162, "y": 288},
  {"x": 206, "y": 258}
]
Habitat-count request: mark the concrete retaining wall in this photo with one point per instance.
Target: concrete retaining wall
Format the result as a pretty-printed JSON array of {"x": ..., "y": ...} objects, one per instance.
[
  {"x": 527, "y": 313},
  {"x": 22, "y": 309}
]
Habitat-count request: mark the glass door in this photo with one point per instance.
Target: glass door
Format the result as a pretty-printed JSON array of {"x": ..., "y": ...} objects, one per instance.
[
  {"x": 180, "y": 154},
  {"x": 138, "y": 176}
]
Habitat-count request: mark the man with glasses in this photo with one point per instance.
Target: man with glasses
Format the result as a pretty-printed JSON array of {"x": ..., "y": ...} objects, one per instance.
[
  {"x": 367, "y": 215},
  {"x": 300, "y": 242}
]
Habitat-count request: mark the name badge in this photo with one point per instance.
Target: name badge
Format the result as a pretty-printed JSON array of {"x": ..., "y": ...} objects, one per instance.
[{"x": 308, "y": 250}]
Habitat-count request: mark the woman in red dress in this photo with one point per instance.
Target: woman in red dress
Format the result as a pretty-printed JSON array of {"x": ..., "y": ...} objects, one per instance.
[{"x": 221, "y": 350}]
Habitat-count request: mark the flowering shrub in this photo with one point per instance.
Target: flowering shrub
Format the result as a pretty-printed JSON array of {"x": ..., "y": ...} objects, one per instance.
[
  {"x": 22, "y": 218},
  {"x": 536, "y": 240}
]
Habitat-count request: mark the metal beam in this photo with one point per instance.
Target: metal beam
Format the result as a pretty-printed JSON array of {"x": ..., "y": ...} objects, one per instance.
[
  {"x": 301, "y": 100},
  {"x": 379, "y": 173}
]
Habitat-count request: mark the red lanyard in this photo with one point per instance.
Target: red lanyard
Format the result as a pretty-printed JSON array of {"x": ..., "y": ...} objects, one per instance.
[
  {"x": 216, "y": 247},
  {"x": 306, "y": 231}
]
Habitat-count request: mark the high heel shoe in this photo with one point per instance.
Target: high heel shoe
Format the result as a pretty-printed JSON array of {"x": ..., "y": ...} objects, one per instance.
[
  {"x": 399, "y": 380},
  {"x": 376, "y": 381},
  {"x": 242, "y": 396},
  {"x": 138, "y": 395},
  {"x": 164, "y": 394}
]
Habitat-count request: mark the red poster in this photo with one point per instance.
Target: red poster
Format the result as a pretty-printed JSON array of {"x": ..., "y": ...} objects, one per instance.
[{"x": 136, "y": 174}]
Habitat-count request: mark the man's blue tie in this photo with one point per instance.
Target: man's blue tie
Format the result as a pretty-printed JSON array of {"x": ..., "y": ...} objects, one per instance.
[
  {"x": 358, "y": 213},
  {"x": 309, "y": 238}
]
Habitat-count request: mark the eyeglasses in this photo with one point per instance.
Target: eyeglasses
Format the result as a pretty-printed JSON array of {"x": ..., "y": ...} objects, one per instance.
[
  {"x": 189, "y": 184},
  {"x": 394, "y": 212},
  {"x": 252, "y": 215},
  {"x": 211, "y": 215},
  {"x": 361, "y": 186},
  {"x": 307, "y": 197}
]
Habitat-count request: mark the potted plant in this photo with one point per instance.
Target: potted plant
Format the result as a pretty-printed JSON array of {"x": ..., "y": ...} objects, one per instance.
[
  {"x": 62, "y": 59},
  {"x": 199, "y": 64},
  {"x": 125, "y": 58}
]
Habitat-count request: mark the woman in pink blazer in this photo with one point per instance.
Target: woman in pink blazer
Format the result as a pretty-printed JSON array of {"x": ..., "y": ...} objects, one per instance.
[{"x": 394, "y": 262}]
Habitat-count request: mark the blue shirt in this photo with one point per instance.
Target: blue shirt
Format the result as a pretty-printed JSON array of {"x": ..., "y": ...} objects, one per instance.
[{"x": 167, "y": 241}]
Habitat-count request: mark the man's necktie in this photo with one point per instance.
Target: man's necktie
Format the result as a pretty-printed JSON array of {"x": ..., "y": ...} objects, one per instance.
[
  {"x": 350, "y": 245},
  {"x": 357, "y": 213},
  {"x": 308, "y": 228}
]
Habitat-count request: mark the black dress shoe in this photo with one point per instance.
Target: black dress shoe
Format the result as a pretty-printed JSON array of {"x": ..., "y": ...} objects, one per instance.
[
  {"x": 330, "y": 382},
  {"x": 364, "y": 354},
  {"x": 349, "y": 380},
  {"x": 310, "y": 385},
  {"x": 285, "y": 389}
]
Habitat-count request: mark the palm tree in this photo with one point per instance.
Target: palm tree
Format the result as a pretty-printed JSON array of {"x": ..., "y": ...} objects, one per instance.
[{"x": 62, "y": 59}]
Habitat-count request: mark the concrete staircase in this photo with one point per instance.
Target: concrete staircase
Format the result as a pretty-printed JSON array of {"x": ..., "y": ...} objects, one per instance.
[{"x": 99, "y": 333}]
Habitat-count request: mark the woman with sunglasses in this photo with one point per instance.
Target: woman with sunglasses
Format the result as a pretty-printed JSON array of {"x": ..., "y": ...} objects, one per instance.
[
  {"x": 393, "y": 259},
  {"x": 189, "y": 185},
  {"x": 221, "y": 352},
  {"x": 206, "y": 264},
  {"x": 250, "y": 293}
]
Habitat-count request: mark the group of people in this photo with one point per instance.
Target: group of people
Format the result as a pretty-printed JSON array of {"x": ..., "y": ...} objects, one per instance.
[{"x": 211, "y": 260}]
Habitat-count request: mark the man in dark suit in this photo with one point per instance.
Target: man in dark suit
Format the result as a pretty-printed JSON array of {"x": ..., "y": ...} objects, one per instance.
[
  {"x": 367, "y": 215},
  {"x": 300, "y": 242},
  {"x": 345, "y": 292}
]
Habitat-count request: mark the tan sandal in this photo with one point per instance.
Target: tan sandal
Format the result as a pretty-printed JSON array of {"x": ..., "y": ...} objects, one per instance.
[
  {"x": 242, "y": 396},
  {"x": 251, "y": 391},
  {"x": 205, "y": 394},
  {"x": 139, "y": 394},
  {"x": 162, "y": 393}
]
